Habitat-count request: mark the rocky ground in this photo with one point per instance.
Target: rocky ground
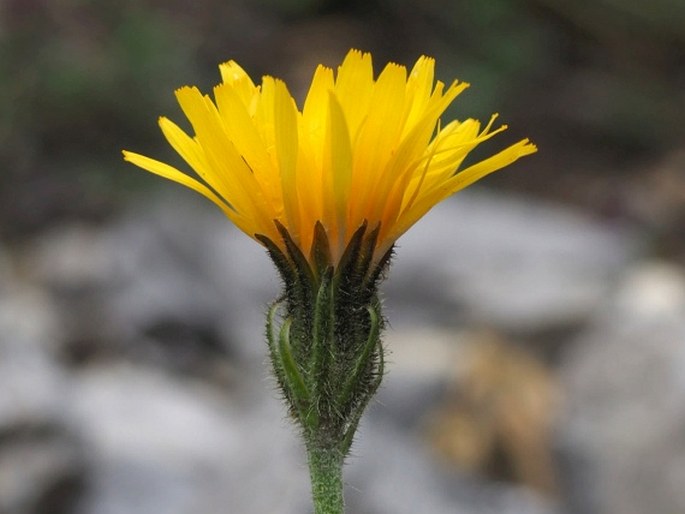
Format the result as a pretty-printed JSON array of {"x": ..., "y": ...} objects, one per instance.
[{"x": 536, "y": 366}]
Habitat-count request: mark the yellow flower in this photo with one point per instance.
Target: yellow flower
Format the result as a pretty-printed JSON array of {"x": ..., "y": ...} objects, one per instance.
[{"x": 361, "y": 150}]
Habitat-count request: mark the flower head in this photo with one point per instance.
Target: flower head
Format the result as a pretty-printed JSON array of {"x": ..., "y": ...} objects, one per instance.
[{"x": 362, "y": 151}]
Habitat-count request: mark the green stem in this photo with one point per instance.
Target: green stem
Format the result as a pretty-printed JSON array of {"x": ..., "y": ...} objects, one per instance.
[{"x": 325, "y": 469}]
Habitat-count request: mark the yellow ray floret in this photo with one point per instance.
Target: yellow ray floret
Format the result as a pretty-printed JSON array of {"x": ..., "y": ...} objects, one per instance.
[{"x": 362, "y": 149}]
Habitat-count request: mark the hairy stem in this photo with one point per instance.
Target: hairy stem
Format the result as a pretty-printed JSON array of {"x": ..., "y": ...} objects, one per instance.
[{"x": 325, "y": 470}]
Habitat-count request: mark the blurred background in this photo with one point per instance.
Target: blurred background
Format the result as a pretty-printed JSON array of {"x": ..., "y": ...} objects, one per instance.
[{"x": 537, "y": 321}]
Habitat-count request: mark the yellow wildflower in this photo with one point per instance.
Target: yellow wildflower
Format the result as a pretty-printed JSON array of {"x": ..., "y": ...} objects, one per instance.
[{"x": 362, "y": 150}]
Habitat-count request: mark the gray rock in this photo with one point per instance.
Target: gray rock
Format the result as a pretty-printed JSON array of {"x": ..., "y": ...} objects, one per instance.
[
  {"x": 72, "y": 256},
  {"x": 169, "y": 447},
  {"x": 625, "y": 382},
  {"x": 31, "y": 381},
  {"x": 420, "y": 363},
  {"x": 395, "y": 474},
  {"x": 172, "y": 284},
  {"x": 514, "y": 264},
  {"x": 185, "y": 262},
  {"x": 42, "y": 471},
  {"x": 173, "y": 288}
]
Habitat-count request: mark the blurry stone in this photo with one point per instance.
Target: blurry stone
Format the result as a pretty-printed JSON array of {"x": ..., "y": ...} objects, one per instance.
[
  {"x": 497, "y": 419},
  {"x": 394, "y": 473},
  {"x": 394, "y": 468},
  {"x": 31, "y": 381},
  {"x": 166, "y": 446},
  {"x": 625, "y": 381},
  {"x": 652, "y": 291},
  {"x": 419, "y": 367},
  {"x": 75, "y": 265},
  {"x": 41, "y": 466},
  {"x": 175, "y": 288},
  {"x": 160, "y": 277},
  {"x": 42, "y": 471},
  {"x": 657, "y": 199},
  {"x": 32, "y": 389},
  {"x": 143, "y": 287},
  {"x": 72, "y": 256},
  {"x": 186, "y": 266},
  {"x": 509, "y": 263},
  {"x": 241, "y": 268},
  {"x": 28, "y": 315}
]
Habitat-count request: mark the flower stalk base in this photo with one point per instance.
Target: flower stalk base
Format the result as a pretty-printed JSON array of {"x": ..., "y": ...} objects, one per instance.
[
  {"x": 326, "y": 352},
  {"x": 325, "y": 471}
]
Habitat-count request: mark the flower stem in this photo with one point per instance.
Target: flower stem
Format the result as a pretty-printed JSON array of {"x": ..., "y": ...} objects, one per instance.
[{"x": 325, "y": 469}]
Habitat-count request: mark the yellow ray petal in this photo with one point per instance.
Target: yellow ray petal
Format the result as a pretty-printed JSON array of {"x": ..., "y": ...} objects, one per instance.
[
  {"x": 226, "y": 170},
  {"x": 185, "y": 146},
  {"x": 312, "y": 143},
  {"x": 314, "y": 113},
  {"x": 354, "y": 88},
  {"x": 406, "y": 167},
  {"x": 378, "y": 138},
  {"x": 362, "y": 150},
  {"x": 171, "y": 173},
  {"x": 419, "y": 87},
  {"x": 241, "y": 130},
  {"x": 233, "y": 75},
  {"x": 285, "y": 138},
  {"x": 337, "y": 183},
  {"x": 430, "y": 198},
  {"x": 504, "y": 158}
]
